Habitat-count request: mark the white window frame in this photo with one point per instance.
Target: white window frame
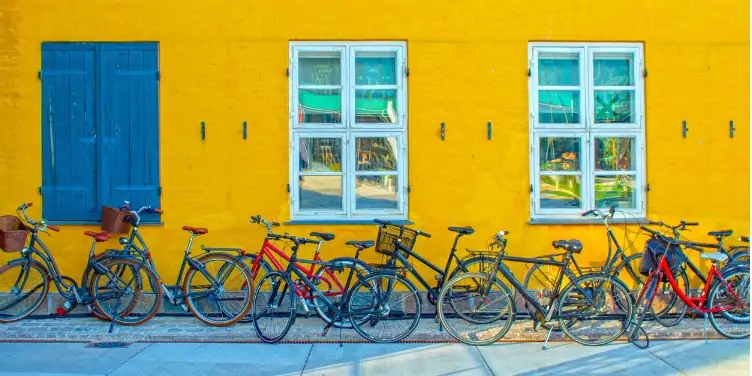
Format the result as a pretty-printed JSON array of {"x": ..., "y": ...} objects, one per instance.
[
  {"x": 587, "y": 128},
  {"x": 348, "y": 130}
]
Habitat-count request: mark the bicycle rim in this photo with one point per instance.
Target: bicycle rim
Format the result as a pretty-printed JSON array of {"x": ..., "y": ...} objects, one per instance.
[
  {"x": 26, "y": 292},
  {"x": 214, "y": 295},
  {"x": 274, "y": 307}
]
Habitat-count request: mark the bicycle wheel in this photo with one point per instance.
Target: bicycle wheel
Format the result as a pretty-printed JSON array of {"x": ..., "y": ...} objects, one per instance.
[
  {"x": 468, "y": 293},
  {"x": 263, "y": 269},
  {"x": 126, "y": 290},
  {"x": 592, "y": 301},
  {"x": 215, "y": 293},
  {"x": 640, "y": 311},
  {"x": 273, "y": 304},
  {"x": 326, "y": 282},
  {"x": 382, "y": 299},
  {"x": 27, "y": 284},
  {"x": 541, "y": 278},
  {"x": 733, "y": 296},
  {"x": 86, "y": 281}
]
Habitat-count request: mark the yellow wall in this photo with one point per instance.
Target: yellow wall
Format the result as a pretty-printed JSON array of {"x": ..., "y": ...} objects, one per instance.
[{"x": 226, "y": 64}]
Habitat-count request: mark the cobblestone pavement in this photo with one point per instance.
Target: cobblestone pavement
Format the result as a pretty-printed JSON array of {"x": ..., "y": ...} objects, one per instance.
[{"x": 307, "y": 330}]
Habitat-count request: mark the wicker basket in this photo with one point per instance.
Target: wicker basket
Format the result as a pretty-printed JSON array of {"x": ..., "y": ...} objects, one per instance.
[
  {"x": 113, "y": 221},
  {"x": 13, "y": 234},
  {"x": 386, "y": 243}
]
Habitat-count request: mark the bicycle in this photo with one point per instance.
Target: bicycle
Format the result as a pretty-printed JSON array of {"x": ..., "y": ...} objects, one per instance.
[
  {"x": 324, "y": 276},
  {"x": 396, "y": 242},
  {"x": 734, "y": 258},
  {"x": 196, "y": 289},
  {"x": 93, "y": 294},
  {"x": 583, "y": 298},
  {"x": 663, "y": 261},
  {"x": 613, "y": 266},
  {"x": 280, "y": 283}
]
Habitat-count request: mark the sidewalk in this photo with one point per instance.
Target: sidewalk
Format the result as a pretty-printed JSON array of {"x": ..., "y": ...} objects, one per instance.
[
  {"x": 721, "y": 358},
  {"x": 305, "y": 330}
]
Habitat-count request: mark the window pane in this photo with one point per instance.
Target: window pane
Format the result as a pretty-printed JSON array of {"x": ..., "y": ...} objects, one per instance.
[
  {"x": 560, "y": 192},
  {"x": 613, "y": 70},
  {"x": 559, "y": 107},
  {"x": 319, "y": 71},
  {"x": 320, "y": 106},
  {"x": 559, "y": 69},
  {"x": 320, "y": 154},
  {"x": 373, "y": 69},
  {"x": 615, "y": 154},
  {"x": 376, "y": 106},
  {"x": 376, "y": 153},
  {"x": 559, "y": 153},
  {"x": 321, "y": 193},
  {"x": 614, "y": 106},
  {"x": 615, "y": 190},
  {"x": 376, "y": 192}
]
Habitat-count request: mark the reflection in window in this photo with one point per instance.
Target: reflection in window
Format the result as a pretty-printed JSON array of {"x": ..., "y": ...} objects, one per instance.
[
  {"x": 376, "y": 192},
  {"x": 376, "y": 153},
  {"x": 614, "y": 154},
  {"x": 320, "y": 154},
  {"x": 559, "y": 154}
]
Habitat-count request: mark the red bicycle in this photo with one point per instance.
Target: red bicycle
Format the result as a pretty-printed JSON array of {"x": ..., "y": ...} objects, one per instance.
[
  {"x": 270, "y": 258},
  {"x": 724, "y": 296}
]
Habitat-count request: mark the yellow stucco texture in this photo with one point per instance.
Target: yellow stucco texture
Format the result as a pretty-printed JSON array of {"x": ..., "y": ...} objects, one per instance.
[{"x": 224, "y": 63}]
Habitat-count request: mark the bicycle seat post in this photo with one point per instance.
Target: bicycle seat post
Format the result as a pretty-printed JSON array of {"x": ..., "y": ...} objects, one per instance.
[{"x": 190, "y": 244}]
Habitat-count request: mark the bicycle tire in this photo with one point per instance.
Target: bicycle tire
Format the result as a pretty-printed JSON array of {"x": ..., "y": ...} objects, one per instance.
[
  {"x": 86, "y": 281},
  {"x": 452, "y": 332},
  {"x": 411, "y": 289},
  {"x": 152, "y": 280},
  {"x": 193, "y": 307},
  {"x": 712, "y": 296},
  {"x": 263, "y": 265},
  {"x": 635, "y": 325},
  {"x": 572, "y": 286},
  {"x": 289, "y": 291},
  {"x": 345, "y": 324},
  {"x": 45, "y": 285}
]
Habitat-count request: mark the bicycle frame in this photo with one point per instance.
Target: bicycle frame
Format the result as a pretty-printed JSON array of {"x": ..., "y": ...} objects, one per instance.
[
  {"x": 268, "y": 250},
  {"x": 545, "y": 314},
  {"x": 433, "y": 291}
]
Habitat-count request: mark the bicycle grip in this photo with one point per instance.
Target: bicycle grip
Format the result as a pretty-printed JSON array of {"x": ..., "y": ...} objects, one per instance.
[
  {"x": 424, "y": 234},
  {"x": 382, "y": 222},
  {"x": 275, "y": 224},
  {"x": 691, "y": 223},
  {"x": 587, "y": 213},
  {"x": 53, "y": 228}
]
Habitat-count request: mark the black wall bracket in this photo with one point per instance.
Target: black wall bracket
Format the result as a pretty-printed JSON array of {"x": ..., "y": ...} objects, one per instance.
[
  {"x": 489, "y": 130},
  {"x": 684, "y": 129},
  {"x": 731, "y": 129},
  {"x": 203, "y": 131},
  {"x": 443, "y": 131},
  {"x": 245, "y": 130}
]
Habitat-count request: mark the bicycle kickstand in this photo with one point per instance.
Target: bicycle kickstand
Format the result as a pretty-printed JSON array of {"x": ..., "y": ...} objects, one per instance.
[
  {"x": 705, "y": 327},
  {"x": 548, "y": 335}
]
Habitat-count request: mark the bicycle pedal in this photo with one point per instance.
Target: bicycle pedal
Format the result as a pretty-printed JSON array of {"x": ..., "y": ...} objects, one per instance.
[
  {"x": 60, "y": 311},
  {"x": 325, "y": 331}
]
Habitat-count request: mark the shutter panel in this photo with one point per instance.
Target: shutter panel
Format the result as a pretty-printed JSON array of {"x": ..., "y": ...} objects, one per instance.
[
  {"x": 131, "y": 123},
  {"x": 69, "y": 134}
]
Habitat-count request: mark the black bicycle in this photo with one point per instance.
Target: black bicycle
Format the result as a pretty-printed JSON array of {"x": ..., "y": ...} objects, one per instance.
[
  {"x": 108, "y": 295},
  {"x": 396, "y": 242},
  {"x": 541, "y": 277},
  {"x": 581, "y": 306}
]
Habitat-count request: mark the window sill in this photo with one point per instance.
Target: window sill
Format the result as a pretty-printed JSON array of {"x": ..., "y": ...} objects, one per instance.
[
  {"x": 88, "y": 223},
  {"x": 585, "y": 221},
  {"x": 343, "y": 222}
]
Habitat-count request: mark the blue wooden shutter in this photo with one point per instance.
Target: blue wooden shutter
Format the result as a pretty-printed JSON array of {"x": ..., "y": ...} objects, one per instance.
[
  {"x": 130, "y": 87},
  {"x": 69, "y": 133}
]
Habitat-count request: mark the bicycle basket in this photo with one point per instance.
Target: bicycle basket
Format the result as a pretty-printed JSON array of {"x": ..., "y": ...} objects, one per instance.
[
  {"x": 13, "y": 234},
  {"x": 113, "y": 220},
  {"x": 654, "y": 249},
  {"x": 386, "y": 243}
]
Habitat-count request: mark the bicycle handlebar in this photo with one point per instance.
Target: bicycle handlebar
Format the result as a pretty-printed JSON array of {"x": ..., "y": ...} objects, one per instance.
[
  {"x": 264, "y": 222},
  {"x": 294, "y": 239},
  {"x": 682, "y": 226},
  {"x": 402, "y": 227},
  {"x": 22, "y": 209}
]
